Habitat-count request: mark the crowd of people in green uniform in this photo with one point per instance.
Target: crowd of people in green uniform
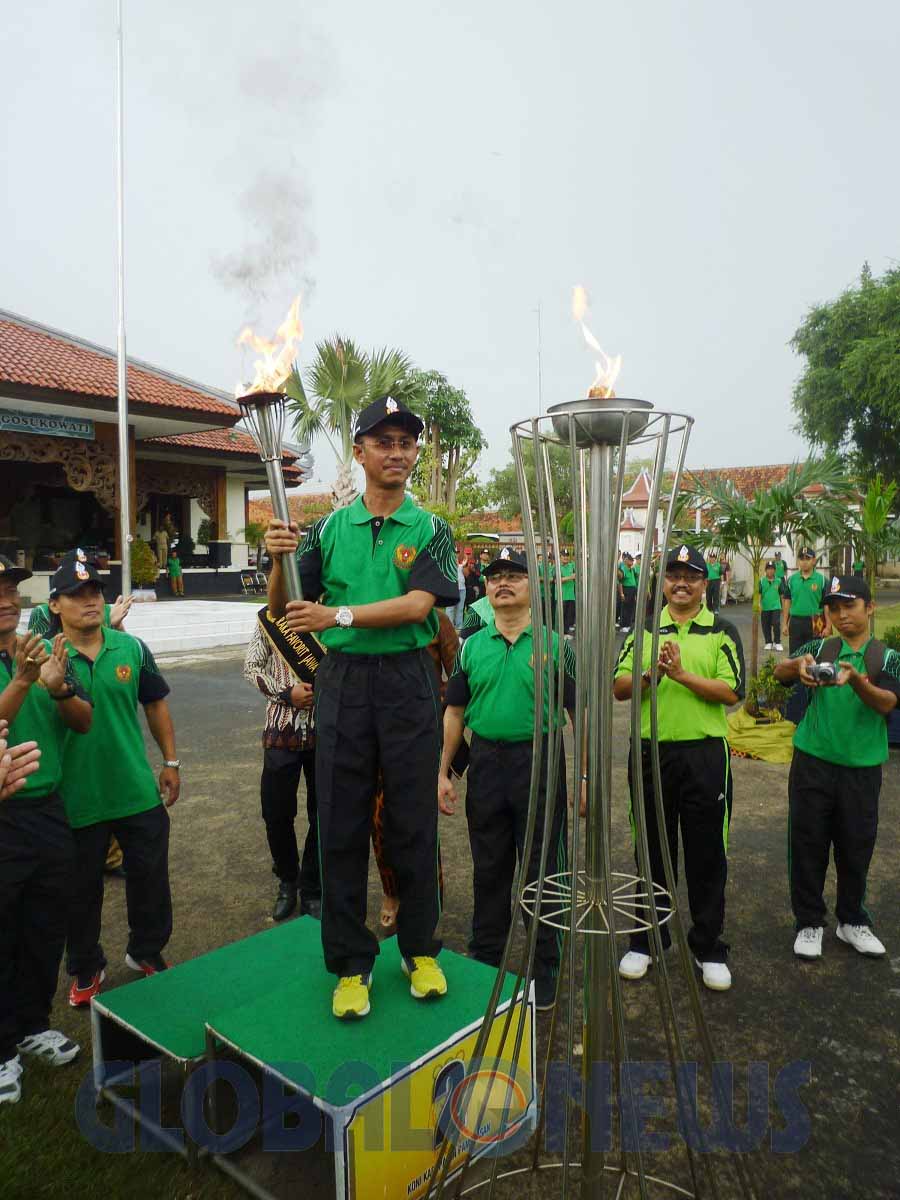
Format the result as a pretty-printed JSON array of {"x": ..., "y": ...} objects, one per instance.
[
  {"x": 378, "y": 730},
  {"x": 76, "y": 776}
]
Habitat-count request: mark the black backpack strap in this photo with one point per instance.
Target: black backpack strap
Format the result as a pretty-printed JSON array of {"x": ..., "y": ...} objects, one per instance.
[
  {"x": 874, "y": 655},
  {"x": 874, "y": 658},
  {"x": 829, "y": 650}
]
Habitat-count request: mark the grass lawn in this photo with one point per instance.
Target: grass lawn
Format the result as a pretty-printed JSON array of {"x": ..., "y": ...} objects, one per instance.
[
  {"x": 836, "y": 1020},
  {"x": 885, "y": 616}
]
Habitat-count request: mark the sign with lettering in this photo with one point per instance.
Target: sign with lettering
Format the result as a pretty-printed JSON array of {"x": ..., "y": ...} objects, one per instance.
[{"x": 46, "y": 424}]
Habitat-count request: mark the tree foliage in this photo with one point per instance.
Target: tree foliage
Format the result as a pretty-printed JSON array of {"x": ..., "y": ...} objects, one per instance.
[
  {"x": 872, "y": 530},
  {"x": 503, "y": 487},
  {"x": 848, "y": 397},
  {"x": 786, "y": 510},
  {"x": 341, "y": 380},
  {"x": 453, "y": 439}
]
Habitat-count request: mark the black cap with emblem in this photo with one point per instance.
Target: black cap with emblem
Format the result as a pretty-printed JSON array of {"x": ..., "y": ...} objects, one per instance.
[
  {"x": 507, "y": 560},
  {"x": 686, "y": 556},
  {"x": 73, "y": 572},
  {"x": 847, "y": 587},
  {"x": 387, "y": 408},
  {"x": 10, "y": 572}
]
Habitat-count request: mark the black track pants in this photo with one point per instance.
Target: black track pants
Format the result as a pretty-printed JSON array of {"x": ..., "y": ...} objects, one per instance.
[
  {"x": 36, "y": 855},
  {"x": 278, "y": 792},
  {"x": 144, "y": 838},
  {"x": 771, "y": 626},
  {"x": 697, "y": 795},
  {"x": 628, "y": 605},
  {"x": 497, "y": 813},
  {"x": 377, "y": 711},
  {"x": 830, "y": 806}
]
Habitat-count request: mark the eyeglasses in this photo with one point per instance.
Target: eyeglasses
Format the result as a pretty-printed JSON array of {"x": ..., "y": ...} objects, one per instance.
[
  {"x": 386, "y": 444},
  {"x": 685, "y": 577},
  {"x": 506, "y": 576}
]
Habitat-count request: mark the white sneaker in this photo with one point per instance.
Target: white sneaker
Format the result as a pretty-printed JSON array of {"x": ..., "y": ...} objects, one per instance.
[
  {"x": 634, "y": 965},
  {"x": 808, "y": 942},
  {"x": 862, "y": 939},
  {"x": 51, "y": 1046},
  {"x": 778, "y": 646},
  {"x": 768, "y": 646},
  {"x": 10, "y": 1088},
  {"x": 716, "y": 975}
]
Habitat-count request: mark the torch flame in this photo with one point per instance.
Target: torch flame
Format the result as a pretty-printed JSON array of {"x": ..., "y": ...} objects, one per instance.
[
  {"x": 273, "y": 367},
  {"x": 607, "y": 368}
]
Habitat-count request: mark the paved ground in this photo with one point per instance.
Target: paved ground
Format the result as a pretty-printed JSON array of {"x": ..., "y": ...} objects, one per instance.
[{"x": 839, "y": 1016}]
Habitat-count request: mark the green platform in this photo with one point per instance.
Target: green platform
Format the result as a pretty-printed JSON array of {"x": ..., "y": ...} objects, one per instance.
[{"x": 272, "y": 991}]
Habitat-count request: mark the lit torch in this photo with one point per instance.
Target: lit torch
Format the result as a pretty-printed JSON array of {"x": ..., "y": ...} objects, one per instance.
[
  {"x": 262, "y": 406},
  {"x": 607, "y": 368}
]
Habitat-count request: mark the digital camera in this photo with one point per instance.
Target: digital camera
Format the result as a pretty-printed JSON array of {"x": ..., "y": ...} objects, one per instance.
[{"x": 822, "y": 672}]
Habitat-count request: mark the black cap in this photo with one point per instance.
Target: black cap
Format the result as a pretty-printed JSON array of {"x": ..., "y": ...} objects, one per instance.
[
  {"x": 10, "y": 572},
  {"x": 847, "y": 587},
  {"x": 73, "y": 572},
  {"x": 387, "y": 408},
  {"x": 807, "y": 553},
  {"x": 507, "y": 559},
  {"x": 686, "y": 556},
  {"x": 770, "y": 563}
]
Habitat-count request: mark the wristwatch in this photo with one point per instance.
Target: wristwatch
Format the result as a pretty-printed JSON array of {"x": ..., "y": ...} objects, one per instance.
[
  {"x": 173, "y": 762},
  {"x": 343, "y": 617},
  {"x": 69, "y": 692}
]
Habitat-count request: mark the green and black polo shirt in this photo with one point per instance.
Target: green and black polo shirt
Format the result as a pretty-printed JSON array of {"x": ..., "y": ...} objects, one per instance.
[
  {"x": 837, "y": 726},
  {"x": 710, "y": 647},
  {"x": 713, "y": 570},
  {"x": 351, "y": 557},
  {"x": 568, "y": 584},
  {"x": 46, "y": 624},
  {"x": 805, "y": 595},
  {"x": 770, "y": 591},
  {"x": 780, "y": 568},
  {"x": 105, "y": 771},
  {"x": 476, "y": 617},
  {"x": 493, "y": 679},
  {"x": 38, "y": 720}
]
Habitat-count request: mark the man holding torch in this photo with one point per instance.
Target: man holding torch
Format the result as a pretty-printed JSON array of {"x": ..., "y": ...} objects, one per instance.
[{"x": 371, "y": 575}]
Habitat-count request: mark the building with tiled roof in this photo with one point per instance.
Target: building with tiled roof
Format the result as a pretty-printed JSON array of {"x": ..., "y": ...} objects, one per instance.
[{"x": 190, "y": 467}]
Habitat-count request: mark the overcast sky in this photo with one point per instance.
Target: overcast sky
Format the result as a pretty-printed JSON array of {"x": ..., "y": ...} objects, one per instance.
[{"x": 427, "y": 173}]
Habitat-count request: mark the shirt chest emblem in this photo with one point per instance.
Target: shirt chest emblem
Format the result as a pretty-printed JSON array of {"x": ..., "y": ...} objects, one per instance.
[
  {"x": 404, "y": 557},
  {"x": 123, "y": 673}
]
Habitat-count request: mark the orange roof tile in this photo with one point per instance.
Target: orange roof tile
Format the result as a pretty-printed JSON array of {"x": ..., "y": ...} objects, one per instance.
[
  {"x": 32, "y": 355},
  {"x": 233, "y": 441}
]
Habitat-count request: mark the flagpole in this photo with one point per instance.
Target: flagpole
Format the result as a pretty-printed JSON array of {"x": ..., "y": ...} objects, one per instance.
[{"x": 121, "y": 362}]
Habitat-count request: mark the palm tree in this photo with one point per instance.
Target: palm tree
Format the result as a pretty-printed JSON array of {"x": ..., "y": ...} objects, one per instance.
[
  {"x": 872, "y": 530},
  {"x": 785, "y": 510},
  {"x": 341, "y": 380}
]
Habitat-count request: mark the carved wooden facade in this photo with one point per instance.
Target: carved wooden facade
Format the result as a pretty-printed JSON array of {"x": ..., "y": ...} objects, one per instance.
[
  {"x": 88, "y": 466},
  {"x": 91, "y": 466},
  {"x": 177, "y": 479}
]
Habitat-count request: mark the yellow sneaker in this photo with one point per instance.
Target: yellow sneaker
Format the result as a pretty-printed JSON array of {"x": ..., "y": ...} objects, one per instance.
[
  {"x": 350, "y": 1000},
  {"x": 426, "y": 979}
]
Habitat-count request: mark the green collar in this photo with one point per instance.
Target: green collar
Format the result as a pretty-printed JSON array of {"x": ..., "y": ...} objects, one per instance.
[
  {"x": 104, "y": 631},
  {"x": 526, "y": 632},
  {"x": 404, "y": 515},
  {"x": 703, "y": 617}
]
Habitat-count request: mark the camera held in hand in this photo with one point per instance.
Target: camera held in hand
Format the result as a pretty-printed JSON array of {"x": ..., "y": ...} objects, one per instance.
[{"x": 822, "y": 673}]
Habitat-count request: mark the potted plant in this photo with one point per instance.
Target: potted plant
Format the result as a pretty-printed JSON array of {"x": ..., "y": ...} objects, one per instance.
[
  {"x": 186, "y": 550},
  {"x": 144, "y": 570},
  {"x": 766, "y": 697}
]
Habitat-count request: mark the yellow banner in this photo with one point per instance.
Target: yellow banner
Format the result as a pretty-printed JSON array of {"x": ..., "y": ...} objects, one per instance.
[{"x": 393, "y": 1139}]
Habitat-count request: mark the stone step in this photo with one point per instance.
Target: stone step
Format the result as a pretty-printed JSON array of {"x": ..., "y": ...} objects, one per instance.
[{"x": 188, "y": 624}]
